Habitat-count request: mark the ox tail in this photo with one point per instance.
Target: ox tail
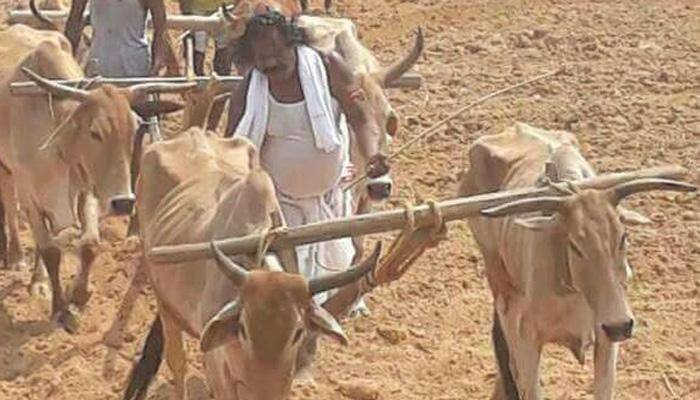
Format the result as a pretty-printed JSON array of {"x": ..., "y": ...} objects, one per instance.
[
  {"x": 147, "y": 367},
  {"x": 500, "y": 346}
]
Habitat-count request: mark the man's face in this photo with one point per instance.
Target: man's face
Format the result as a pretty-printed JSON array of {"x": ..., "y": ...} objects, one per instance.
[{"x": 273, "y": 54}]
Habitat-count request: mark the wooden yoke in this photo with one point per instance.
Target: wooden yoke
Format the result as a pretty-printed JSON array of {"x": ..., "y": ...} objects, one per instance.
[{"x": 385, "y": 221}]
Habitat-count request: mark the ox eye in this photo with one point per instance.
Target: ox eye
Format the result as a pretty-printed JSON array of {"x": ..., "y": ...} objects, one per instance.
[
  {"x": 297, "y": 336},
  {"x": 623, "y": 241},
  {"x": 242, "y": 332},
  {"x": 576, "y": 249},
  {"x": 96, "y": 136}
]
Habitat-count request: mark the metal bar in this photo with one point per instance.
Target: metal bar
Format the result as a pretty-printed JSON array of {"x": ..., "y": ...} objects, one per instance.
[
  {"x": 385, "y": 221},
  {"x": 175, "y": 21},
  {"x": 28, "y": 88}
]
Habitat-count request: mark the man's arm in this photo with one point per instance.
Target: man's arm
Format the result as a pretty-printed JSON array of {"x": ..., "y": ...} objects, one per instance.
[
  {"x": 158, "y": 45},
  {"x": 346, "y": 88},
  {"x": 236, "y": 105},
  {"x": 74, "y": 24}
]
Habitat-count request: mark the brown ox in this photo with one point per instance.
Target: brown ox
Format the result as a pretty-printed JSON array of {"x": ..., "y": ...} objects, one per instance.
[
  {"x": 251, "y": 324},
  {"x": 66, "y": 155},
  {"x": 557, "y": 277}
]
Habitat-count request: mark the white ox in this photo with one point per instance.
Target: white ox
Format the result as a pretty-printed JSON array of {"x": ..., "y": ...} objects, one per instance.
[
  {"x": 557, "y": 277},
  {"x": 340, "y": 35},
  {"x": 251, "y": 324},
  {"x": 66, "y": 156}
]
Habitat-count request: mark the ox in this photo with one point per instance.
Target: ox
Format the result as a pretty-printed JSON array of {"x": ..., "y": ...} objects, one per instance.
[
  {"x": 251, "y": 324},
  {"x": 340, "y": 35},
  {"x": 557, "y": 277},
  {"x": 66, "y": 156}
]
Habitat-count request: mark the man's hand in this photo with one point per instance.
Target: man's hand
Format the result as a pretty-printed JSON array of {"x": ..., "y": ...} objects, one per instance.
[
  {"x": 157, "y": 57},
  {"x": 377, "y": 166},
  {"x": 74, "y": 24}
]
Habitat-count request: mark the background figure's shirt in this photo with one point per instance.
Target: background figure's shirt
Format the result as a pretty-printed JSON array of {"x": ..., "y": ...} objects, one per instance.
[{"x": 119, "y": 40}]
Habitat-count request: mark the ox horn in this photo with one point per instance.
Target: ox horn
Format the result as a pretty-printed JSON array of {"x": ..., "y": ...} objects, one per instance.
[
  {"x": 328, "y": 282},
  {"x": 547, "y": 204},
  {"x": 56, "y": 88},
  {"x": 623, "y": 190},
  {"x": 228, "y": 15},
  {"x": 139, "y": 92},
  {"x": 393, "y": 72},
  {"x": 38, "y": 14},
  {"x": 233, "y": 271}
]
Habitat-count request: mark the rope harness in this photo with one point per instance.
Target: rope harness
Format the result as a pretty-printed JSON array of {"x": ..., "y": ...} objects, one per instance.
[{"x": 409, "y": 245}]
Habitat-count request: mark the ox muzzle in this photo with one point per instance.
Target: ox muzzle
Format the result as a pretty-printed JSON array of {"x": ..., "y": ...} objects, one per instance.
[
  {"x": 122, "y": 205},
  {"x": 379, "y": 188},
  {"x": 619, "y": 332}
]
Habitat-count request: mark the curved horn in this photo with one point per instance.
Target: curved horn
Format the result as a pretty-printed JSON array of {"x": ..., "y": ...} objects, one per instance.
[
  {"x": 551, "y": 204},
  {"x": 332, "y": 281},
  {"x": 623, "y": 190},
  {"x": 400, "y": 67},
  {"x": 140, "y": 91},
  {"x": 234, "y": 272},
  {"x": 38, "y": 14},
  {"x": 227, "y": 14},
  {"x": 56, "y": 88}
]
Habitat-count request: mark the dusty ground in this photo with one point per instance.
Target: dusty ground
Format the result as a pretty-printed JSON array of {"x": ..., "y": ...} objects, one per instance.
[{"x": 631, "y": 93}]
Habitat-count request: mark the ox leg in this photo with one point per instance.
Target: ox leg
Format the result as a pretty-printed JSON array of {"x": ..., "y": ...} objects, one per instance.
[
  {"x": 39, "y": 286},
  {"x": 505, "y": 389},
  {"x": 524, "y": 356},
  {"x": 13, "y": 256},
  {"x": 79, "y": 292},
  {"x": 3, "y": 237},
  {"x": 51, "y": 256},
  {"x": 605, "y": 361},
  {"x": 175, "y": 354}
]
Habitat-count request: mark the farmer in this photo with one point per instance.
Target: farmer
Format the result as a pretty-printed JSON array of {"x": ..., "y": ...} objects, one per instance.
[
  {"x": 293, "y": 105},
  {"x": 222, "y": 54}
]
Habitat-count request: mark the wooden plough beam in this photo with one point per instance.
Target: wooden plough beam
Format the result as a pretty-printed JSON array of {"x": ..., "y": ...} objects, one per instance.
[
  {"x": 175, "y": 21},
  {"x": 27, "y": 88},
  {"x": 385, "y": 221}
]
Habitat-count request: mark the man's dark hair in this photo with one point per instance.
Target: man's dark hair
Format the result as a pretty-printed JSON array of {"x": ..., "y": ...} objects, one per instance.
[{"x": 293, "y": 33}]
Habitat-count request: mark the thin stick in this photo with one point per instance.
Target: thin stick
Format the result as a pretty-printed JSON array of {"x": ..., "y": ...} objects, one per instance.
[
  {"x": 667, "y": 383},
  {"x": 430, "y": 131},
  {"x": 189, "y": 56}
]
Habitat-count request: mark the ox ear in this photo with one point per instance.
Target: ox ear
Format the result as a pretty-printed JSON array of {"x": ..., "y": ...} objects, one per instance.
[
  {"x": 221, "y": 327},
  {"x": 322, "y": 321},
  {"x": 629, "y": 217}
]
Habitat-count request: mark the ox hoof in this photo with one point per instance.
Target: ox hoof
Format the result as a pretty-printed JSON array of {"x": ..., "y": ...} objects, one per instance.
[
  {"x": 305, "y": 377},
  {"x": 14, "y": 266},
  {"x": 78, "y": 294},
  {"x": 18, "y": 266},
  {"x": 360, "y": 310},
  {"x": 40, "y": 290},
  {"x": 68, "y": 320}
]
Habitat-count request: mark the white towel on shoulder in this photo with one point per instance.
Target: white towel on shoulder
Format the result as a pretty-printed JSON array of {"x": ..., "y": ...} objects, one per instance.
[{"x": 314, "y": 84}]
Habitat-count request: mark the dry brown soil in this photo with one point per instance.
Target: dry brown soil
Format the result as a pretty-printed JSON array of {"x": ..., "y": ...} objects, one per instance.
[{"x": 631, "y": 93}]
